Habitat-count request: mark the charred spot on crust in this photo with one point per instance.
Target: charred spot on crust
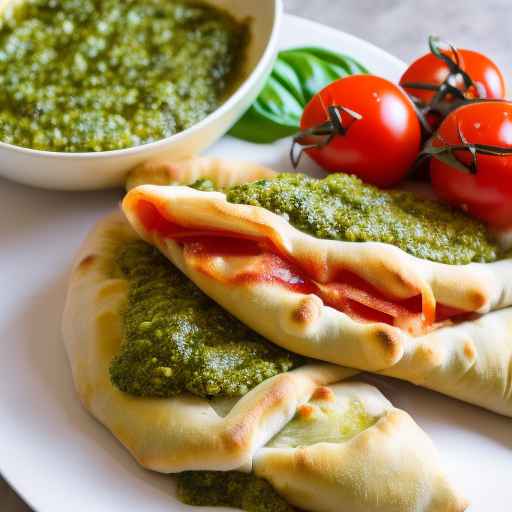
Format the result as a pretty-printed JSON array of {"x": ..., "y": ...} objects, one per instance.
[
  {"x": 430, "y": 355},
  {"x": 302, "y": 460},
  {"x": 389, "y": 343},
  {"x": 323, "y": 393},
  {"x": 307, "y": 311},
  {"x": 469, "y": 350},
  {"x": 87, "y": 262},
  {"x": 305, "y": 411},
  {"x": 236, "y": 439},
  {"x": 479, "y": 299},
  {"x": 386, "y": 339},
  {"x": 113, "y": 288}
]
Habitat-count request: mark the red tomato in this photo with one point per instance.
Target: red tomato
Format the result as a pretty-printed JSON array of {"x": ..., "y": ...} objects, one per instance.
[
  {"x": 430, "y": 69},
  {"x": 380, "y": 147},
  {"x": 487, "y": 194}
]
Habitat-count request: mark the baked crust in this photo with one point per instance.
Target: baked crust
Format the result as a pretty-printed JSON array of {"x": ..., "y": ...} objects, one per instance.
[
  {"x": 187, "y": 432},
  {"x": 330, "y": 477},
  {"x": 302, "y": 323},
  {"x": 167, "y": 435},
  {"x": 476, "y": 287},
  {"x": 471, "y": 361},
  {"x": 225, "y": 173}
]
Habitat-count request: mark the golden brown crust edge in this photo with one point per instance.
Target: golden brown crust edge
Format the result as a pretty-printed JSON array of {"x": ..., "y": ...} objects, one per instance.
[
  {"x": 185, "y": 433},
  {"x": 224, "y": 172},
  {"x": 174, "y": 434},
  {"x": 478, "y": 287},
  {"x": 303, "y": 324},
  {"x": 333, "y": 477}
]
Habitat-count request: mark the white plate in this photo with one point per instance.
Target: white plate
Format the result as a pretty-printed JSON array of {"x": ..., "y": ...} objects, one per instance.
[{"x": 58, "y": 458}]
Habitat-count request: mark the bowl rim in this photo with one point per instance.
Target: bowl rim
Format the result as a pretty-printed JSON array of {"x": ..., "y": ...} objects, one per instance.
[{"x": 239, "y": 93}]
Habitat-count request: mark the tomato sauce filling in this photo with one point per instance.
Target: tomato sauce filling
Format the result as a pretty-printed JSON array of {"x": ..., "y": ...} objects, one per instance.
[{"x": 264, "y": 262}]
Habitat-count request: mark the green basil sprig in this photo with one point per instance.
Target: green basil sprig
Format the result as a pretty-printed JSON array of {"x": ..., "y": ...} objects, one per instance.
[{"x": 297, "y": 76}]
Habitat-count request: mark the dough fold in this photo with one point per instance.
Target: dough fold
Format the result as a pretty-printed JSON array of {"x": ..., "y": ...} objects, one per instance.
[
  {"x": 365, "y": 470},
  {"x": 470, "y": 360}
]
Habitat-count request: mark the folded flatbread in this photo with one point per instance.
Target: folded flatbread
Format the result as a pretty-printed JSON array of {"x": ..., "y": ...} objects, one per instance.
[
  {"x": 324, "y": 444},
  {"x": 224, "y": 173},
  {"x": 293, "y": 289}
]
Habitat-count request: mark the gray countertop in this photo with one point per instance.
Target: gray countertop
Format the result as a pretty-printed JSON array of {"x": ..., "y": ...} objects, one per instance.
[{"x": 400, "y": 27}]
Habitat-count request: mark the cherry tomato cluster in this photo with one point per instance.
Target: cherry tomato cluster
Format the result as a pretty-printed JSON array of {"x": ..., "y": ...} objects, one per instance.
[{"x": 449, "y": 110}]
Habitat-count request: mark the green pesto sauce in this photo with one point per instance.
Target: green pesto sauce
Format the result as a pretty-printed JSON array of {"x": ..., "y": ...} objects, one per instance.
[
  {"x": 327, "y": 424},
  {"x": 230, "y": 489},
  {"x": 342, "y": 207},
  {"x": 205, "y": 185},
  {"x": 96, "y": 75},
  {"x": 177, "y": 339},
  {"x": 253, "y": 494}
]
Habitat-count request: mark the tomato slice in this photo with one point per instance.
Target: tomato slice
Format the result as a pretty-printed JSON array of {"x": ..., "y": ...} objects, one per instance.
[{"x": 260, "y": 261}]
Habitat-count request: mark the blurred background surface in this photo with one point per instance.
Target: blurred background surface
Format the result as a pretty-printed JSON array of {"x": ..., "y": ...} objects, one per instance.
[{"x": 401, "y": 27}]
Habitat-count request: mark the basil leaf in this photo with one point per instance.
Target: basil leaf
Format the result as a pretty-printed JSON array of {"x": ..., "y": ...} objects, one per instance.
[
  {"x": 350, "y": 65},
  {"x": 314, "y": 74},
  {"x": 275, "y": 114},
  {"x": 286, "y": 75},
  {"x": 297, "y": 76}
]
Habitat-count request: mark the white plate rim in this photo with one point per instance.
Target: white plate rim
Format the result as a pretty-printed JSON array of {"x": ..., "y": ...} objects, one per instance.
[{"x": 22, "y": 484}]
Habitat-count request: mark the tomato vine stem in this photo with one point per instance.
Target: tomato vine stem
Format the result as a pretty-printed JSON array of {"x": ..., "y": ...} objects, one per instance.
[
  {"x": 448, "y": 96},
  {"x": 324, "y": 132},
  {"x": 446, "y": 152}
]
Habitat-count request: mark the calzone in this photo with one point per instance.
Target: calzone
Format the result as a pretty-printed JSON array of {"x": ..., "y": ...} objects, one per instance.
[
  {"x": 182, "y": 401},
  {"x": 414, "y": 304}
]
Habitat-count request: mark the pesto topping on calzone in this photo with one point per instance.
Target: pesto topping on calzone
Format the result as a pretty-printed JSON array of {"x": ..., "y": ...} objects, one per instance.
[
  {"x": 230, "y": 489},
  {"x": 205, "y": 185},
  {"x": 342, "y": 207},
  {"x": 177, "y": 339},
  {"x": 319, "y": 421}
]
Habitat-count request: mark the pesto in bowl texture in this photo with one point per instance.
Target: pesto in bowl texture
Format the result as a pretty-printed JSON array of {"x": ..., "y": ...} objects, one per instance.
[{"x": 100, "y": 75}]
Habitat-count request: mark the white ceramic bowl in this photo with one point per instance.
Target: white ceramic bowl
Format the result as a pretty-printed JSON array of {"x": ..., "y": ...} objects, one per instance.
[{"x": 89, "y": 171}]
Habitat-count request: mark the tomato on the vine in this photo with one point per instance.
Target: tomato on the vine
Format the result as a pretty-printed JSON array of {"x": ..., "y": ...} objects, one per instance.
[
  {"x": 362, "y": 125},
  {"x": 482, "y": 185},
  {"x": 430, "y": 69}
]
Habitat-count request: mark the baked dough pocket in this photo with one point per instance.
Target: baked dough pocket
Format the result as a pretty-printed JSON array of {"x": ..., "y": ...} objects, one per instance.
[
  {"x": 325, "y": 443},
  {"x": 366, "y": 305}
]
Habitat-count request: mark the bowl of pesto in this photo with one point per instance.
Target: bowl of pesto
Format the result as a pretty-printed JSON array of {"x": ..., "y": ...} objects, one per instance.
[{"x": 91, "y": 88}]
